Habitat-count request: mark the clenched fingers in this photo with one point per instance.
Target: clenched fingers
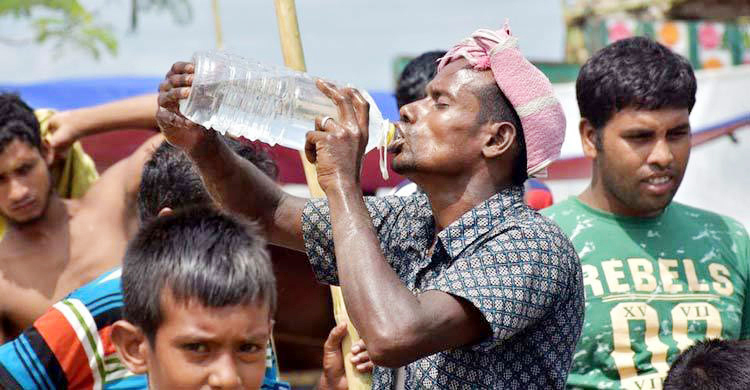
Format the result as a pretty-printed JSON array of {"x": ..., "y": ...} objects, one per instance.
[
  {"x": 168, "y": 120},
  {"x": 361, "y": 358},
  {"x": 335, "y": 337},
  {"x": 361, "y": 108},
  {"x": 176, "y": 81},
  {"x": 170, "y": 99},
  {"x": 181, "y": 67},
  {"x": 311, "y": 145},
  {"x": 342, "y": 101}
]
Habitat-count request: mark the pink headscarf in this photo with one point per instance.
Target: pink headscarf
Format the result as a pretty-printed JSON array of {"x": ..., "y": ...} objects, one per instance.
[{"x": 526, "y": 87}]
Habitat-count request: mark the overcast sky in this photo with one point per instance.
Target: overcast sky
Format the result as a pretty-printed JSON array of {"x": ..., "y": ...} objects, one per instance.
[{"x": 352, "y": 41}]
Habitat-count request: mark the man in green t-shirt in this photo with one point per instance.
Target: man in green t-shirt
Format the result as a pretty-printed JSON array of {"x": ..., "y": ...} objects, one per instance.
[{"x": 658, "y": 275}]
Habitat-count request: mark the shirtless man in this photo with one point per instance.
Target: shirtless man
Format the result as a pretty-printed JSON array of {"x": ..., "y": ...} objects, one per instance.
[{"x": 53, "y": 245}]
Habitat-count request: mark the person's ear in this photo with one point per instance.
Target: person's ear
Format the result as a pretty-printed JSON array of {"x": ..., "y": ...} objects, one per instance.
[
  {"x": 502, "y": 135},
  {"x": 165, "y": 212},
  {"x": 132, "y": 346},
  {"x": 588, "y": 138},
  {"x": 48, "y": 153}
]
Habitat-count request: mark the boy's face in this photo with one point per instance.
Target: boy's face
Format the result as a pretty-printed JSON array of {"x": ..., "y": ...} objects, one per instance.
[
  {"x": 24, "y": 182},
  {"x": 199, "y": 347}
]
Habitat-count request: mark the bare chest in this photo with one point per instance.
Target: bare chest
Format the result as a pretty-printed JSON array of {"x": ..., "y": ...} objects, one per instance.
[{"x": 38, "y": 270}]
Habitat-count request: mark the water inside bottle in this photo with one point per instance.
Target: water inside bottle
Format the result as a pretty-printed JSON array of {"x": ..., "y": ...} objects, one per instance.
[
  {"x": 267, "y": 110},
  {"x": 274, "y": 105}
]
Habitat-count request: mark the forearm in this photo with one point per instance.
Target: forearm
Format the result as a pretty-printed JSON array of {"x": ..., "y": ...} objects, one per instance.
[
  {"x": 239, "y": 187},
  {"x": 132, "y": 113},
  {"x": 378, "y": 302}
]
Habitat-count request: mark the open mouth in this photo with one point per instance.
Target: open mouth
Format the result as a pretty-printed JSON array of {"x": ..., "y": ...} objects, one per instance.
[
  {"x": 659, "y": 184},
  {"x": 658, "y": 180}
]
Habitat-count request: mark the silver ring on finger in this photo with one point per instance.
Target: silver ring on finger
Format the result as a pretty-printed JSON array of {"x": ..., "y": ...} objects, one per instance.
[{"x": 324, "y": 120}]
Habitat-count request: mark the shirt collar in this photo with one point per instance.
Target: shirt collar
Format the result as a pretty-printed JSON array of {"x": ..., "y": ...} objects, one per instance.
[{"x": 481, "y": 219}]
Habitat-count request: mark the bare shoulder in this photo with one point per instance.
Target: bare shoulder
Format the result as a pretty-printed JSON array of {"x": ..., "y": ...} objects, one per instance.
[{"x": 114, "y": 194}]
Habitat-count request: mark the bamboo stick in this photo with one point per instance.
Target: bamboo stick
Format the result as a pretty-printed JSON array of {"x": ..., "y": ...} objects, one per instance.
[
  {"x": 217, "y": 24},
  {"x": 291, "y": 47}
]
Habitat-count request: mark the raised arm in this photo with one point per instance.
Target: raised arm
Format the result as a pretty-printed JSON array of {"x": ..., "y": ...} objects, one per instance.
[
  {"x": 66, "y": 127},
  {"x": 234, "y": 183},
  {"x": 115, "y": 193},
  {"x": 398, "y": 326}
]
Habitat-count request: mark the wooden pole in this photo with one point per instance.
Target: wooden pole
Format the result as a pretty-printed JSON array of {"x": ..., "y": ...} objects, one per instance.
[
  {"x": 217, "y": 24},
  {"x": 291, "y": 47}
]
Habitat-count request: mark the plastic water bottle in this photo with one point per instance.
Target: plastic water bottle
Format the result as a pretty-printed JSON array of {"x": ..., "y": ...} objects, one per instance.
[{"x": 241, "y": 97}]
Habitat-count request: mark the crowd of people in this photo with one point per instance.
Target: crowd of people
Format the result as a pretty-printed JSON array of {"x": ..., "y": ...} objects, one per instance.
[{"x": 158, "y": 274}]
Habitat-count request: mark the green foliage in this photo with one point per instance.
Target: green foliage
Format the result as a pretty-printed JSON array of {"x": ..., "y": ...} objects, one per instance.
[
  {"x": 181, "y": 10},
  {"x": 61, "y": 22},
  {"x": 68, "y": 23}
]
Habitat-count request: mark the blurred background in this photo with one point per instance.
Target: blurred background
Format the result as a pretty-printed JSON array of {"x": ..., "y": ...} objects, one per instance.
[
  {"x": 72, "y": 53},
  {"x": 69, "y": 54},
  {"x": 77, "y": 53},
  {"x": 353, "y": 41}
]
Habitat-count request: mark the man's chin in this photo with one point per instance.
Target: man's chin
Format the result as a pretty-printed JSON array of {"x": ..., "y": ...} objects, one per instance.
[
  {"x": 656, "y": 206},
  {"x": 402, "y": 169},
  {"x": 401, "y": 165},
  {"x": 24, "y": 220}
]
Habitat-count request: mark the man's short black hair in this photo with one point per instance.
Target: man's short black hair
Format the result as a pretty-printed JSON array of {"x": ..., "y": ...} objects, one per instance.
[
  {"x": 196, "y": 254},
  {"x": 415, "y": 77},
  {"x": 711, "y": 365},
  {"x": 17, "y": 121},
  {"x": 495, "y": 107},
  {"x": 635, "y": 73},
  {"x": 169, "y": 178}
]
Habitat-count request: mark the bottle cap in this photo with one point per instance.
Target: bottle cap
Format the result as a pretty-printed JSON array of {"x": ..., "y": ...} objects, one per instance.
[
  {"x": 386, "y": 136},
  {"x": 391, "y": 133}
]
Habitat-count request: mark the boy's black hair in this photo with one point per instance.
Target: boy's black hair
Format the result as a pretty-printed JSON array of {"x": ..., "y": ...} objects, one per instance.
[
  {"x": 635, "y": 72},
  {"x": 415, "y": 77},
  {"x": 17, "y": 121},
  {"x": 169, "y": 178},
  {"x": 196, "y": 254},
  {"x": 711, "y": 365}
]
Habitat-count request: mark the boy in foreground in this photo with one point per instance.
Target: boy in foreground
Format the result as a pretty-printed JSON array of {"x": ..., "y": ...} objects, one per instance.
[
  {"x": 69, "y": 347},
  {"x": 199, "y": 296}
]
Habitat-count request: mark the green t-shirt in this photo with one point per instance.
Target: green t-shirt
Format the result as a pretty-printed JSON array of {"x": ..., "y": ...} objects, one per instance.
[{"x": 653, "y": 287}]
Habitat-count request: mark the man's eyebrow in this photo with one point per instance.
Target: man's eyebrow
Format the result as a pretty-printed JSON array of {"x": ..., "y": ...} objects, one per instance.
[
  {"x": 684, "y": 126},
  {"x": 435, "y": 92},
  {"x": 636, "y": 129}
]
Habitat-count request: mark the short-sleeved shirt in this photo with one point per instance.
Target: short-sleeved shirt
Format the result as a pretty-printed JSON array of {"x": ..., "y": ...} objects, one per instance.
[
  {"x": 69, "y": 347},
  {"x": 512, "y": 264},
  {"x": 653, "y": 287}
]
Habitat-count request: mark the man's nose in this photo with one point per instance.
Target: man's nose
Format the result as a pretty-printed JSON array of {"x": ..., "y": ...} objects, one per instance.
[
  {"x": 661, "y": 155},
  {"x": 408, "y": 112},
  {"x": 18, "y": 190},
  {"x": 224, "y": 374}
]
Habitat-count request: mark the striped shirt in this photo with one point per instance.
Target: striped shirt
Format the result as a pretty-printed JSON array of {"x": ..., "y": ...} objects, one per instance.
[{"x": 70, "y": 347}]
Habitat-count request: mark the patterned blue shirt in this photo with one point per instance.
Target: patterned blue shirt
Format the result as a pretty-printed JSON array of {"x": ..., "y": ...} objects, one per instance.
[{"x": 511, "y": 263}]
